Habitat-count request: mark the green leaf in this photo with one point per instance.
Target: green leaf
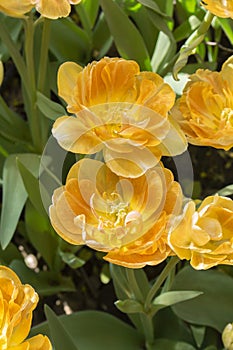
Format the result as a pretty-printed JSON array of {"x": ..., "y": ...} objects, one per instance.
[
  {"x": 14, "y": 193},
  {"x": 50, "y": 109},
  {"x": 171, "y": 298},
  {"x": 9, "y": 254},
  {"x": 91, "y": 7},
  {"x": 13, "y": 127},
  {"x": 72, "y": 260},
  {"x": 153, "y": 6},
  {"x": 214, "y": 307},
  {"x": 162, "y": 344},
  {"x": 31, "y": 184},
  {"x": 226, "y": 191},
  {"x": 125, "y": 33},
  {"x": 73, "y": 46},
  {"x": 186, "y": 28},
  {"x": 44, "y": 282},
  {"x": 102, "y": 38},
  {"x": 227, "y": 27},
  {"x": 129, "y": 306},
  {"x": 39, "y": 230},
  {"x": 14, "y": 27},
  {"x": 60, "y": 336},
  {"x": 95, "y": 330},
  {"x": 198, "y": 334}
]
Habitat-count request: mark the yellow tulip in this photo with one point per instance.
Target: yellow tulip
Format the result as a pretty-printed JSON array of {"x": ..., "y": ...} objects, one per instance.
[
  {"x": 220, "y": 8},
  {"x": 54, "y": 9},
  {"x": 15, "y": 8},
  {"x": 127, "y": 218},
  {"x": 47, "y": 8},
  {"x": 119, "y": 110},
  {"x": 17, "y": 302},
  {"x": 205, "y": 110},
  {"x": 205, "y": 236}
]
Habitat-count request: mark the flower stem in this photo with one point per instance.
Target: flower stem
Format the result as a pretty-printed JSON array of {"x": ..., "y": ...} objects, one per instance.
[
  {"x": 191, "y": 43},
  {"x": 162, "y": 277},
  {"x": 32, "y": 111},
  {"x": 130, "y": 273},
  {"x": 44, "y": 54}
]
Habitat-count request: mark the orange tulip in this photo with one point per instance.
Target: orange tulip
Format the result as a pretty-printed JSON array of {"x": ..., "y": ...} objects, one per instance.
[
  {"x": 17, "y": 302},
  {"x": 205, "y": 110},
  {"x": 127, "y": 218},
  {"x": 205, "y": 236},
  {"x": 119, "y": 110},
  {"x": 220, "y": 8},
  {"x": 48, "y": 8}
]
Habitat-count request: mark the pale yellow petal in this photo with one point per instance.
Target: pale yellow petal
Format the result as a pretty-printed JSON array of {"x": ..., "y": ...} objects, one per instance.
[
  {"x": 66, "y": 80},
  {"x": 39, "y": 342},
  {"x": 53, "y": 9}
]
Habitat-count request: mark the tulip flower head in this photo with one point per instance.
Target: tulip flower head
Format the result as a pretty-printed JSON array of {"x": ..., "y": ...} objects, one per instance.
[
  {"x": 122, "y": 216},
  {"x": 120, "y": 111},
  {"x": 220, "y": 8},
  {"x": 205, "y": 110},
  {"x": 52, "y": 9},
  {"x": 205, "y": 236},
  {"x": 17, "y": 302}
]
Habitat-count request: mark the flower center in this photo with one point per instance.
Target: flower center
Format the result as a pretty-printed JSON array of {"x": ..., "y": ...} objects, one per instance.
[
  {"x": 116, "y": 211},
  {"x": 227, "y": 117}
]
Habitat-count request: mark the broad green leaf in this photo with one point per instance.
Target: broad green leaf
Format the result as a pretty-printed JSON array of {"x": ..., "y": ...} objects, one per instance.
[
  {"x": 61, "y": 338},
  {"x": 162, "y": 344},
  {"x": 73, "y": 46},
  {"x": 169, "y": 326},
  {"x": 31, "y": 184},
  {"x": 91, "y": 8},
  {"x": 9, "y": 254},
  {"x": 198, "y": 334},
  {"x": 179, "y": 85},
  {"x": 14, "y": 193},
  {"x": 13, "y": 127},
  {"x": 171, "y": 298},
  {"x": 186, "y": 28},
  {"x": 50, "y": 109},
  {"x": 125, "y": 33},
  {"x": 165, "y": 47},
  {"x": 44, "y": 282},
  {"x": 227, "y": 27},
  {"x": 226, "y": 191},
  {"x": 39, "y": 231},
  {"x": 145, "y": 27},
  {"x": 102, "y": 38},
  {"x": 153, "y": 6},
  {"x": 129, "y": 306},
  {"x": 214, "y": 307},
  {"x": 14, "y": 27},
  {"x": 95, "y": 330}
]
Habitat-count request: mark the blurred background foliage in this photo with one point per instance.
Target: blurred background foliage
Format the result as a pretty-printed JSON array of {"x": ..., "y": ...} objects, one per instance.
[{"x": 70, "y": 278}]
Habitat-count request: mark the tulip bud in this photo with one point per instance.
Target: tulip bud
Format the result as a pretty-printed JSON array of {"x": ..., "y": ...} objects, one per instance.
[{"x": 227, "y": 336}]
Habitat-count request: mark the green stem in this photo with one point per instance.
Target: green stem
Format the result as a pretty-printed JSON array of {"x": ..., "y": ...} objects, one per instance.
[
  {"x": 162, "y": 277},
  {"x": 146, "y": 320},
  {"x": 191, "y": 44},
  {"x": 148, "y": 329},
  {"x": 44, "y": 54},
  {"x": 130, "y": 273},
  {"x": 32, "y": 108},
  {"x": 15, "y": 54}
]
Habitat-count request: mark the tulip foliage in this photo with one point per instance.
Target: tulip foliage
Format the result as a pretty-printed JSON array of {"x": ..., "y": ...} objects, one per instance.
[{"x": 116, "y": 155}]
